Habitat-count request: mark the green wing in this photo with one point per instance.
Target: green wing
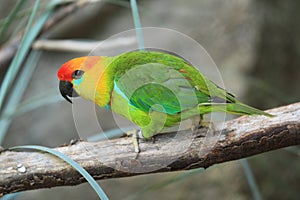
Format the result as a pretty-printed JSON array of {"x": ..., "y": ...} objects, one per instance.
[
  {"x": 159, "y": 87},
  {"x": 126, "y": 61}
]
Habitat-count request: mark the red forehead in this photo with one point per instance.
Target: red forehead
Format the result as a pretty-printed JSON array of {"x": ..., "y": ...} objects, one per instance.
[{"x": 83, "y": 63}]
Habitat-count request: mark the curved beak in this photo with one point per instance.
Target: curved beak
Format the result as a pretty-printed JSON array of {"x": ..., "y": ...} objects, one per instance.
[{"x": 66, "y": 90}]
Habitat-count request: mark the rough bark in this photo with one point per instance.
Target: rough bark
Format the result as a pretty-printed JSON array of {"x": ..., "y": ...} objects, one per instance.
[{"x": 239, "y": 138}]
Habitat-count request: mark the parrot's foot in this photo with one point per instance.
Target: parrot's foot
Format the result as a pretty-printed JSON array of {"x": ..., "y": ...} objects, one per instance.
[
  {"x": 2, "y": 149},
  {"x": 135, "y": 135},
  {"x": 202, "y": 125},
  {"x": 197, "y": 123}
]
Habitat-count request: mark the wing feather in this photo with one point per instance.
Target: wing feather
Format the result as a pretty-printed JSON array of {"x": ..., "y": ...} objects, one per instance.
[{"x": 159, "y": 87}]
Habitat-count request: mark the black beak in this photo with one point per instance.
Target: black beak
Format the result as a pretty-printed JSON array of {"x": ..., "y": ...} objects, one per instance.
[{"x": 66, "y": 90}]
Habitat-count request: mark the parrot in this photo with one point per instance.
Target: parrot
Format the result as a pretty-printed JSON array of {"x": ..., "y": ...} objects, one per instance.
[{"x": 154, "y": 90}]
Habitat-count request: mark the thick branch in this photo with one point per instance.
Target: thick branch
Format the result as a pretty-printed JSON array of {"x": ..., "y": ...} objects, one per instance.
[{"x": 241, "y": 138}]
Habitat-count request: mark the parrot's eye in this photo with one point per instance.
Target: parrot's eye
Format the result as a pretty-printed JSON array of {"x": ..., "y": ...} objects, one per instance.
[{"x": 77, "y": 74}]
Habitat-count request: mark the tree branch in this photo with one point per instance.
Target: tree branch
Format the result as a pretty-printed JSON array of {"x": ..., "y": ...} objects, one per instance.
[
  {"x": 241, "y": 137},
  {"x": 81, "y": 46}
]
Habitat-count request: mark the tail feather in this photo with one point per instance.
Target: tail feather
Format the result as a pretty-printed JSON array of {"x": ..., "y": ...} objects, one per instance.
[{"x": 233, "y": 108}]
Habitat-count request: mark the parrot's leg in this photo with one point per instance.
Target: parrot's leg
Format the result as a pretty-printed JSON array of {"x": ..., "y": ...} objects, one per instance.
[
  {"x": 204, "y": 124},
  {"x": 135, "y": 135},
  {"x": 197, "y": 122},
  {"x": 135, "y": 141}
]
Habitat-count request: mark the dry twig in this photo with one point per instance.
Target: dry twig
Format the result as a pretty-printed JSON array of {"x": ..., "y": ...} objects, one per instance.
[{"x": 81, "y": 46}]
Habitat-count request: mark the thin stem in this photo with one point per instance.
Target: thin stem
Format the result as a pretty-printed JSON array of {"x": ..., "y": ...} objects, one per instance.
[
  {"x": 137, "y": 24},
  {"x": 251, "y": 180}
]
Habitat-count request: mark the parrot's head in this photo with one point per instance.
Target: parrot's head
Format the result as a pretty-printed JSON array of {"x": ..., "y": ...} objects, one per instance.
[{"x": 72, "y": 74}]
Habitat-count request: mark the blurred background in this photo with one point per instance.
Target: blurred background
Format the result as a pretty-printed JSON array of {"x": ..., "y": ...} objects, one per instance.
[{"x": 254, "y": 43}]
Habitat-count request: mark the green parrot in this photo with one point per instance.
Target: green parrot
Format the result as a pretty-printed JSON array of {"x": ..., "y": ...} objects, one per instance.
[{"x": 154, "y": 90}]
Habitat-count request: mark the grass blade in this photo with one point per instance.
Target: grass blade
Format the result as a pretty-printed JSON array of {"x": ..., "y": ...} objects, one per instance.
[
  {"x": 17, "y": 93},
  {"x": 251, "y": 180},
  {"x": 11, "y": 18},
  {"x": 10, "y": 196},
  {"x": 29, "y": 36},
  {"x": 31, "y": 32},
  {"x": 137, "y": 24},
  {"x": 20, "y": 55},
  {"x": 32, "y": 104},
  {"x": 74, "y": 164},
  {"x": 166, "y": 182}
]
